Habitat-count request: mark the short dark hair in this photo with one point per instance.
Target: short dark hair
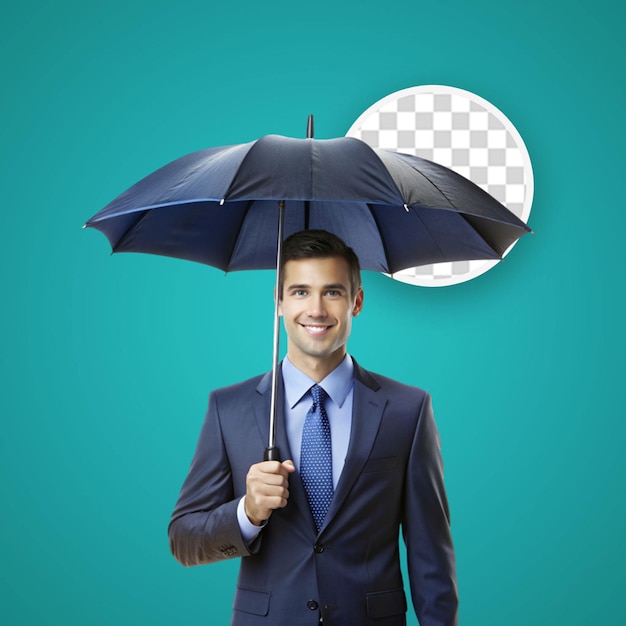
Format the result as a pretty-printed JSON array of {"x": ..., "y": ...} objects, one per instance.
[{"x": 320, "y": 244}]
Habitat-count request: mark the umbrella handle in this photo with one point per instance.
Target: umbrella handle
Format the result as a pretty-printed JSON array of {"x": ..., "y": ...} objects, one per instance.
[{"x": 271, "y": 454}]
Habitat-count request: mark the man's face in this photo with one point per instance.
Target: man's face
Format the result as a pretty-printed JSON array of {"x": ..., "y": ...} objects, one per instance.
[{"x": 317, "y": 306}]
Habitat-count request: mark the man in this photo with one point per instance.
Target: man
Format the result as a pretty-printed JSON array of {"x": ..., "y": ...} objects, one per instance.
[{"x": 321, "y": 553}]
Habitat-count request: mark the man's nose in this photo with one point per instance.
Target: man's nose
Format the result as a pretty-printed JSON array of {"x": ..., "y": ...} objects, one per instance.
[{"x": 316, "y": 307}]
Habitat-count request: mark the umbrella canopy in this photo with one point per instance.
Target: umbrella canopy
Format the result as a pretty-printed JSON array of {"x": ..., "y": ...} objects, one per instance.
[{"x": 220, "y": 206}]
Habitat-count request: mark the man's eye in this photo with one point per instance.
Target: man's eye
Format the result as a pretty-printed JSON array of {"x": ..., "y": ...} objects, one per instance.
[{"x": 299, "y": 292}]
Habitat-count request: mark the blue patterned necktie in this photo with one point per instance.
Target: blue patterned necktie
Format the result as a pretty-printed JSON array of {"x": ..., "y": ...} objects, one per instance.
[{"x": 316, "y": 459}]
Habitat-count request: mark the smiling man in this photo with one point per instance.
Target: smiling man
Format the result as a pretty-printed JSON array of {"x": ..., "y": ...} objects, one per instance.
[{"x": 319, "y": 533}]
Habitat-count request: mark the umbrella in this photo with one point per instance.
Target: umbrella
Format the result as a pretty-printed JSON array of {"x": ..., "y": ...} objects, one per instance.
[{"x": 231, "y": 207}]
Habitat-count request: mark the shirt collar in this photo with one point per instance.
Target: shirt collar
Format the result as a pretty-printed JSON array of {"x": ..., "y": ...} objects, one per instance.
[{"x": 337, "y": 384}]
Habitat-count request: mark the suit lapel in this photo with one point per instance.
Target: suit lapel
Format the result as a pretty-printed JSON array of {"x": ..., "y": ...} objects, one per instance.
[{"x": 262, "y": 413}]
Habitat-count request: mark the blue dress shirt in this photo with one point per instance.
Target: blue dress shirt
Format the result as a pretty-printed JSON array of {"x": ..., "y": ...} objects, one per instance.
[{"x": 339, "y": 386}]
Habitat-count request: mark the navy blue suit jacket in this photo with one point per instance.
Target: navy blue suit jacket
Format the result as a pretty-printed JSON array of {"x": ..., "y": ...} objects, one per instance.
[{"x": 349, "y": 571}]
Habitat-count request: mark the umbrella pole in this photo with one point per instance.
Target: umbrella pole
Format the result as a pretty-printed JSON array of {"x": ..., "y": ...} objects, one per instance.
[{"x": 271, "y": 452}]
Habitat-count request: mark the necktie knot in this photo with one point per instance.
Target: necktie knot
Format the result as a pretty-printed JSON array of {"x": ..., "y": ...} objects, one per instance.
[{"x": 319, "y": 395}]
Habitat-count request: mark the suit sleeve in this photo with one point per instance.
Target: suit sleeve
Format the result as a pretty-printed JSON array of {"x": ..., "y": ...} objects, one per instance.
[
  {"x": 426, "y": 528},
  {"x": 204, "y": 526}
]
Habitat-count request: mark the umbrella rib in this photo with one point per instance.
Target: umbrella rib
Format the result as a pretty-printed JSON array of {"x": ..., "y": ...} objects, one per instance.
[
  {"x": 418, "y": 171},
  {"x": 254, "y": 146},
  {"x": 385, "y": 169},
  {"x": 438, "y": 189},
  {"x": 382, "y": 242},
  {"x": 142, "y": 216},
  {"x": 433, "y": 239},
  {"x": 419, "y": 217},
  {"x": 239, "y": 231}
]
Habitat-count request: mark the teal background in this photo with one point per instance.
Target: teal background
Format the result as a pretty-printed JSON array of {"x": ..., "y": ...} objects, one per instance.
[{"x": 106, "y": 362}]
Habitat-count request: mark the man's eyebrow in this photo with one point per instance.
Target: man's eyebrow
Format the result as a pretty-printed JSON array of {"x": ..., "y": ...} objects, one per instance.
[{"x": 336, "y": 286}]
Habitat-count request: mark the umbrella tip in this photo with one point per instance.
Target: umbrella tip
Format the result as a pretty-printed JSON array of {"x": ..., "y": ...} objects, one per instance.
[{"x": 309, "y": 127}]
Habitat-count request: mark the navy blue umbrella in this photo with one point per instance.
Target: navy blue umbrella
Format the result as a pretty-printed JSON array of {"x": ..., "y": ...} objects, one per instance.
[{"x": 231, "y": 207}]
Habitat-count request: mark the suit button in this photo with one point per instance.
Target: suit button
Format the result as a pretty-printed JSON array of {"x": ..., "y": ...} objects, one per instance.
[
  {"x": 311, "y": 604},
  {"x": 318, "y": 548}
]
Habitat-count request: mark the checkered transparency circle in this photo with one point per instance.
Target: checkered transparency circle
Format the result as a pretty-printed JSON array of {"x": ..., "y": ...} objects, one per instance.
[{"x": 464, "y": 132}]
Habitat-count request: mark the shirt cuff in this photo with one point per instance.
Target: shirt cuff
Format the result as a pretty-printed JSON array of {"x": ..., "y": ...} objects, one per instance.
[{"x": 249, "y": 531}]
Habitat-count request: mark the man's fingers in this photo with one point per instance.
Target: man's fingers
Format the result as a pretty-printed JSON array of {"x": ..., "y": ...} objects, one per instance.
[
  {"x": 289, "y": 466},
  {"x": 275, "y": 467},
  {"x": 261, "y": 489},
  {"x": 267, "y": 488}
]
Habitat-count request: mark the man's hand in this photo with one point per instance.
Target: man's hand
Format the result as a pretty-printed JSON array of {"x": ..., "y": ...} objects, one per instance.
[{"x": 267, "y": 488}]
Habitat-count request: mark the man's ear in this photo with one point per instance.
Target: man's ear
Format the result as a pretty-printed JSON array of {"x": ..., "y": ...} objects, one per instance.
[{"x": 358, "y": 303}]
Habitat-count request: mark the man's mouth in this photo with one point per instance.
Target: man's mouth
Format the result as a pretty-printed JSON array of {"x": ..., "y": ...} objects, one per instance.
[{"x": 315, "y": 330}]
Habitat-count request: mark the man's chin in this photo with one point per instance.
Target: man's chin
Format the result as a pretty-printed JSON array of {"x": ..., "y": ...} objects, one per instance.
[{"x": 325, "y": 353}]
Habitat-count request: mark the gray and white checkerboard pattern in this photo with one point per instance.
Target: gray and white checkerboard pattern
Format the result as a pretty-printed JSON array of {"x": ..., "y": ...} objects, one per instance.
[{"x": 463, "y": 132}]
